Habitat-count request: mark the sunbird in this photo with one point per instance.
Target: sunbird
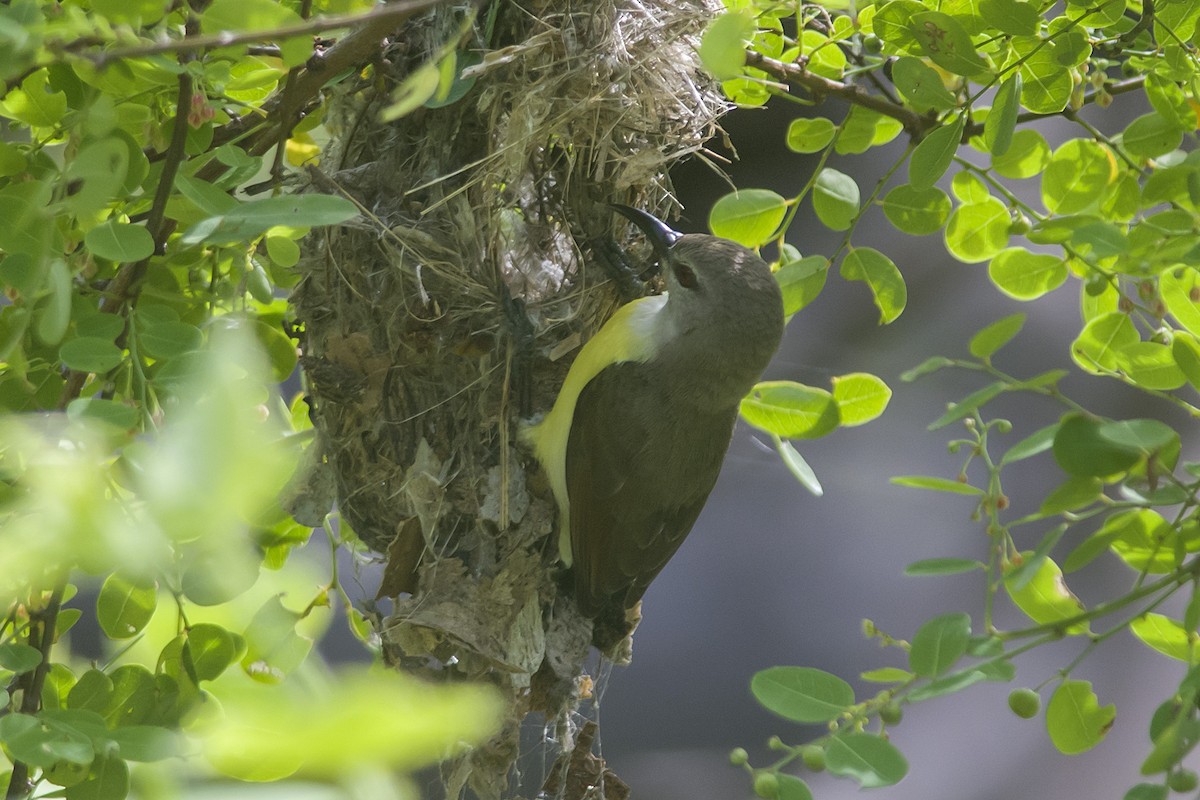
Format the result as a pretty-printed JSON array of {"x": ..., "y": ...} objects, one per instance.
[{"x": 634, "y": 442}]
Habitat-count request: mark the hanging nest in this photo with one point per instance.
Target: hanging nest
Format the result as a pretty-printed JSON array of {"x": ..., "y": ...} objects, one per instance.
[{"x": 454, "y": 307}]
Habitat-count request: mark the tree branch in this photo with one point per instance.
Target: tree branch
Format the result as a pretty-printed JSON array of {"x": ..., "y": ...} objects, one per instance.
[
  {"x": 385, "y": 14},
  {"x": 795, "y": 74},
  {"x": 42, "y": 627}
]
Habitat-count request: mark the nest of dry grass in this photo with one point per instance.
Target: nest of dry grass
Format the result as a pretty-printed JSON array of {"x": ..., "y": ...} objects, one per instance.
[{"x": 418, "y": 361}]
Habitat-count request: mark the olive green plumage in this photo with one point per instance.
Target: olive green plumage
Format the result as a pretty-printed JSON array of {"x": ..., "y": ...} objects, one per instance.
[{"x": 637, "y": 435}]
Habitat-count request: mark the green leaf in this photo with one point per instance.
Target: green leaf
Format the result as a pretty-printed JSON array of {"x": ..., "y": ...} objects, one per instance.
[
  {"x": 125, "y": 605},
  {"x": 917, "y": 211},
  {"x": 1096, "y": 349},
  {"x": 790, "y": 410},
  {"x": 99, "y": 169},
  {"x": 1176, "y": 286},
  {"x": 1045, "y": 598},
  {"x": 926, "y": 367},
  {"x": 969, "y": 404},
  {"x": 1077, "y": 175},
  {"x": 1024, "y": 275},
  {"x": 1036, "y": 443},
  {"x": 42, "y": 742},
  {"x": 947, "y": 43},
  {"x": 145, "y": 743},
  {"x": 948, "y": 684},
  {"x": 1145, "y": 541},
  {"x": 881, "y": 275},
  {"x": 891, "y": 23},
  {"x": 936, "y": 484},
  {"x": 1001, "y": 121},
  {"x": 1076, "y": 492},
  {"x": 1027, "y": 155},
  {"x": 1047, "y": 85},
  {"x": 1165, "y": 635},
  {"x": 162, "y": 340},
  {"x": 801, "y": 281},
  {"x": 985, "y": 343},
  {"x": 255, "y": 217},
  {"x": 978, "y": 231},
  {"x": 36, "y": 103},
  {"x": 1010, "y": 16},
  {"x": 810, "y": 135},
  {"x": 933, "y": 156},
  {"x": 90, "y": 354},
  {"x": 802, "y": 694},
  {"x": 723, "y": 46},
  {"x": 943, "y": 566},
  {"x": 119, "y": 241},
  {"x": 19, "y": 658},
  {"x": 1074, "y": 718},
  {"x": 212, "y": 650},
  {"x": 1020, "y": 575},
  {"x": 273, "y": 647},
  {"x": 869, "y": 759},
  {"x": 1101, "y": 239},
  {"x": 1141, "y": 436},
  {"x": 860, "y": 398},
  {"x": 939, "y": 644},
  {"x": 1186, "y": 352},
  {"x": 863, "y": 129},
  {"x": 1080, "y": 449},
  {"x": 749, "y": 217},
  {"x": 792, "y": 788},
  {"x": 108, "y": 779},
  {"x": 1151, "y": 135},
  {"x": 799, "y": 468},
  {"x": 835, "y": 198},
  {"x": 1169, "y": 101},
  {"x": 133, "y": 695},
  {"x": 887, "y": 675},
  {"x": 921, "y": 86}
]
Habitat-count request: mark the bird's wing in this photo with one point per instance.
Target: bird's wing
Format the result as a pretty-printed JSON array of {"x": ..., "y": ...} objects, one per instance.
[{"x": 638, "y": 472}]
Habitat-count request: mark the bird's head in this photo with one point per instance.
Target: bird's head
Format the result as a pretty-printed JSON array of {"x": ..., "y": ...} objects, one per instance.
[{"x": 710, "y": 279}]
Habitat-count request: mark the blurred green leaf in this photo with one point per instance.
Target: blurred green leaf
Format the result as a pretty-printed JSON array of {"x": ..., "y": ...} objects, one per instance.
[
  {"x": 938, "y": 644},
  {"x": 860, "y": 398},
  {"x": 125, "y": 605},
  {"x": 933, "y": 156},
  {"x": 723, "y": 46},
  {"x": 802, "y": 694},
  {"x": 869, "y": 759},
  {"x": 801, "y": 281},
  {"x": 1001, "y": 121},
  {"x": 984, "y": 344}
]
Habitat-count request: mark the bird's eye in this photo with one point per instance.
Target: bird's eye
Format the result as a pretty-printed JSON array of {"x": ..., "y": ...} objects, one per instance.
[{"x": 685, "y": 275}]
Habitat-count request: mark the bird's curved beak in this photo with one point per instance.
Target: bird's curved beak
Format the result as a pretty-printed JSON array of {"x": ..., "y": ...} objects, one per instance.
[{"x": 660, "y": 234}]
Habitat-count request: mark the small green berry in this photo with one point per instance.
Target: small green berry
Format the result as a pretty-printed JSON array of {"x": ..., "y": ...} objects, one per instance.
[
  {"x": 1182, "y": 780},
  {"x": 738, "y": 756},
  {"x": 872, "y": 43},
  {"x": 1025, "y": 703},
  {"x": 1095, "y": 285},
  {"x": 814, "y": 757},
  {"x": 775, "y": 743},
  {"x": 1020, "y": 224},
  {"x": 766, "y": 785},
  {"x": 1128, "y": 69},
  {"x": 891, "y": 714}
]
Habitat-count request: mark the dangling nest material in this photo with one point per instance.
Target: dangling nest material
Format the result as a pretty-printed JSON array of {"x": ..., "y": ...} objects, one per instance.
[{"x": 416, "y": 354}]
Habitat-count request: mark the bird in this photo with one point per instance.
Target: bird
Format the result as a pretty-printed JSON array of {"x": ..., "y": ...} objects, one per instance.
[{"x": 634, "y": 441}]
